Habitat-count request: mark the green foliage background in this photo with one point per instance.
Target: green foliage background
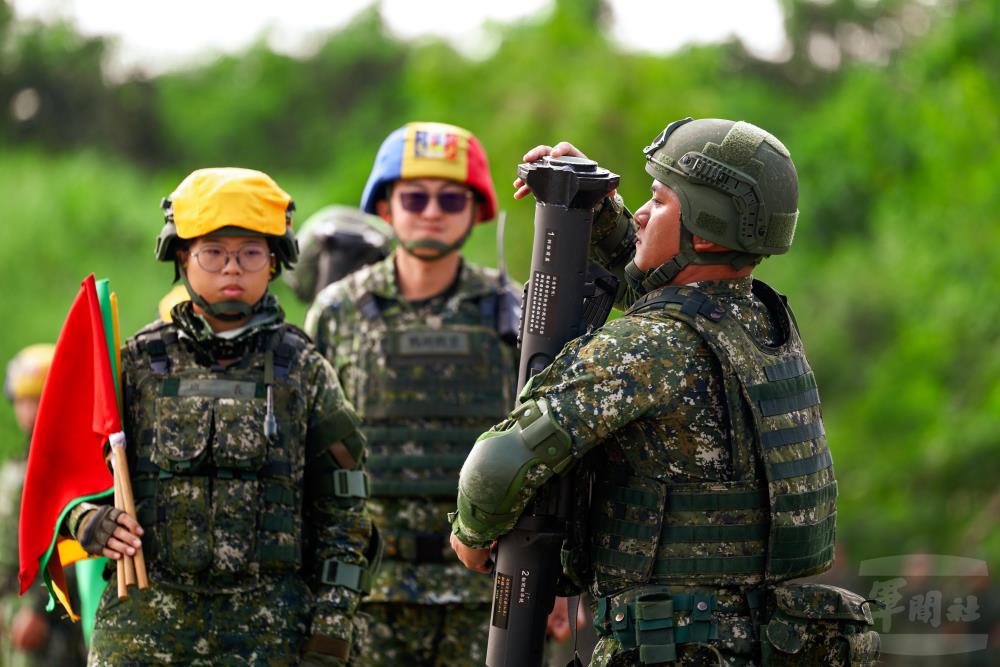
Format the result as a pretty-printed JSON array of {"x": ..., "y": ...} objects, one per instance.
[{"x": 893, "y": 276}]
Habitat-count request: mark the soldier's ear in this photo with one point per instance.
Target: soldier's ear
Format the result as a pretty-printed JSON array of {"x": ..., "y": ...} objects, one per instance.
[{"x": 383, "y": 210}]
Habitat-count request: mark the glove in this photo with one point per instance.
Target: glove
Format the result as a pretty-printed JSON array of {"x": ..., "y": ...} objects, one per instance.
[
  {"x": 325, "y": 651},
  {"x": 98, "y": 527}
]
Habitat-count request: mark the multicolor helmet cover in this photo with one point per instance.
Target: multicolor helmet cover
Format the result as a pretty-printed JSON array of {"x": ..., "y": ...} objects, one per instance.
[
  {"x": 27, "y": 370},
  {"x": 432, "y": 150}
]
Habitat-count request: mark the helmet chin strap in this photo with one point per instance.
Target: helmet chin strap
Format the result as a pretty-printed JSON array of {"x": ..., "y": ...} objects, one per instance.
[
  {"x": 647, "y": 281},
  {"x": 438, "y": 248},
  {"x": 664, "y": 274},
  {"x": 229, "y": 310}
]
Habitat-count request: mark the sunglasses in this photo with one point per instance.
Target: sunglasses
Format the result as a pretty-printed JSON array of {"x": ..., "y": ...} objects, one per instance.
[{"x": 415, "y": 201}]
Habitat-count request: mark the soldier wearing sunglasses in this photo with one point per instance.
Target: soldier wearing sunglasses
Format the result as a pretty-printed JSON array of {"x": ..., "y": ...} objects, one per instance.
[{"x": 420, "y": 343}]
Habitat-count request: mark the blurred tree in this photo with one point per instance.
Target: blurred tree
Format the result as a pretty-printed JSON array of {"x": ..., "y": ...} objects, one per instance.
[{"x": 51, "y": 79}]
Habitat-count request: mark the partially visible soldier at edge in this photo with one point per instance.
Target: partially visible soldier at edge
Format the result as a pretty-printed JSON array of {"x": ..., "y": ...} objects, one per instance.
[
  {"x": 29, "y": 636},
  {"x": 334, "y": 242},
  {"x": 246, "y": 459},
  {"x": 695, "y": 422},
  {"x": 424, "y": 343}
]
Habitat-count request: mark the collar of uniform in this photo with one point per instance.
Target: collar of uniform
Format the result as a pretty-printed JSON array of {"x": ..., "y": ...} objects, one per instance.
[
  {"x": 267, "y": 315},
  {"x": 735, "y": 287},
  {"x": 382, "y": 281}
]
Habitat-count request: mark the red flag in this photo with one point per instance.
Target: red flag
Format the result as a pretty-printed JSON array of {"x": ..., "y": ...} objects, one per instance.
[{"x": 77, "y": 414}]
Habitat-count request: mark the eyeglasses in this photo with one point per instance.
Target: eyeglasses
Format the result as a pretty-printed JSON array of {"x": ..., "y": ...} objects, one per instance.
[
  {"x": 250, "y": 258},
  {"x": 449, "y": 201}
]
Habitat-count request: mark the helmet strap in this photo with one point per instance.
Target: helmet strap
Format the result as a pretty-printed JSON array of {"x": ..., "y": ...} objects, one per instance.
[
  {"x": 438, "y": 249},
  {"x": 664, "y": 274},
  {"x": 229, "y": 310},
  {"x": 647, "y": 281}
]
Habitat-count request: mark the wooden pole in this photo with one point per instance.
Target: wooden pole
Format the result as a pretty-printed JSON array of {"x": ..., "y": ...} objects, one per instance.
[
  {"x": 121, "y": 462},
  {"x": 128, "y": 503},
  {"x": 120, "y": 563}
]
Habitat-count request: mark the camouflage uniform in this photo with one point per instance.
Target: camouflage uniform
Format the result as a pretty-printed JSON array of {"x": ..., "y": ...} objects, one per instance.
[
  {"x": 64, "y": 645},
  {"x": 678, "y": 545},
  {"x": 422, "y": 403},
  {"x": 254, "y": 540}
]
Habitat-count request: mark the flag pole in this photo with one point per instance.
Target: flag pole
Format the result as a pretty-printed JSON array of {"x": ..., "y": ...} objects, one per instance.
[
  {"x": 121, "y": 465},
  {"x": 120, "y": 568}
]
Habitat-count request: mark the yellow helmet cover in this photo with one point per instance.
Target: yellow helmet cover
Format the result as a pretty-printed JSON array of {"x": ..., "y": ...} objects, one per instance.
[
  {"x": 217, "y": 197},
  {"x": 27, "y": 370}
]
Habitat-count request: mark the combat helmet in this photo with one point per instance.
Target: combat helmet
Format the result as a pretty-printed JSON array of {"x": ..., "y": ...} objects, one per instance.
[
  {"x": 432, "y": 150},
  {"x": 227, "y": 201},
  {"x": 26, "y": 372},
  {"x": 737, "y": 187},
  {"x": 333, "y": 242}
]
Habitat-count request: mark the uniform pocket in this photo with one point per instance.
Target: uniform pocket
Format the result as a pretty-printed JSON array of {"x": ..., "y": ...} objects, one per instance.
[
  {"x": 240, "y": 442},
  {"x": 234, "y": 528},
  {"x": 818, "y": 624},
  {"x": 184, "y": 532},
  {"x": 183, "y": 429}
]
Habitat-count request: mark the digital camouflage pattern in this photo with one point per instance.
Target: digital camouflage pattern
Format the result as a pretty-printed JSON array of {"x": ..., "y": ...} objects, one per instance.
[
  {"x": 817, "y": 624},
  {"x": 421, "y": 416},
  {"x": 64, "y": 645},
  {"x": 644, "y": 402},
  {"x": 437, "y": 635},
  {"x": 264, "y": 626},
  {"x": 644, "y": 389},
  {"x": 237, "y": 523}
]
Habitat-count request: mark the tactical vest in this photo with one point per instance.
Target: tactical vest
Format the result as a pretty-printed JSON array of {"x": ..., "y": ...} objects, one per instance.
[
  {"x": 776, "y": 519},
  {"x": 218, "y": 487},
  {"x": 454, "y": 379}
]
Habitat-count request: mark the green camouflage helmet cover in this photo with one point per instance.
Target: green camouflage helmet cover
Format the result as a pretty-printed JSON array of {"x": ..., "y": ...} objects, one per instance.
[
  {"x": 736, "y": 183},
  {"x": 333, "y": 242}
]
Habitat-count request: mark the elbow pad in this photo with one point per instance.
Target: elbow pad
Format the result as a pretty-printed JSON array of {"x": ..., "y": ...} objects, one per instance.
[{"x": 494, "y": 473}]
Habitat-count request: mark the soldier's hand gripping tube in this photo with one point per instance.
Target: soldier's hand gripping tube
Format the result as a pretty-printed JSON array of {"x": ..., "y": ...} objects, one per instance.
[{"x": 563, "y": 300}]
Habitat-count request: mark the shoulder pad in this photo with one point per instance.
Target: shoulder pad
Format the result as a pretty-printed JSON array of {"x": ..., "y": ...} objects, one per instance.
[{"x": 293, "y": 335}]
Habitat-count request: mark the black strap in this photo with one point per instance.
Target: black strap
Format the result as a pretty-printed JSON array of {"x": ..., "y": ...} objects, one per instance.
[
  {"x": 156, "y": 350},
  {"x": 792, "y": 435},
  {"x": 692, "y": 302},
  {"x": 368, "y": 305},
  {"x": 798, "y": 467},
  {"x": 488, "y": 310}
]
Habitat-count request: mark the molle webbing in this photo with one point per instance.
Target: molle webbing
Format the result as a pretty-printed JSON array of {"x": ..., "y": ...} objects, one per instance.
[
  {"x": 388, "y": 480},
  {"x": 372, "y": 307},
  {"x": 278, "y": 498},
  {"x": 397, "y": 435},
  {"x": 433, "y": 387},
  {"x": 777, "y": 397},
  {"x": 648, "y": 618},
  {"x": 699, "y": 518},
  {"x": 386, "y": 466},
  {"x": 418, "y": 462},
  {"x": 154, "y": 346},
  {"x": 779, "y": 388},
  {"x": 691, "y": 301}
]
